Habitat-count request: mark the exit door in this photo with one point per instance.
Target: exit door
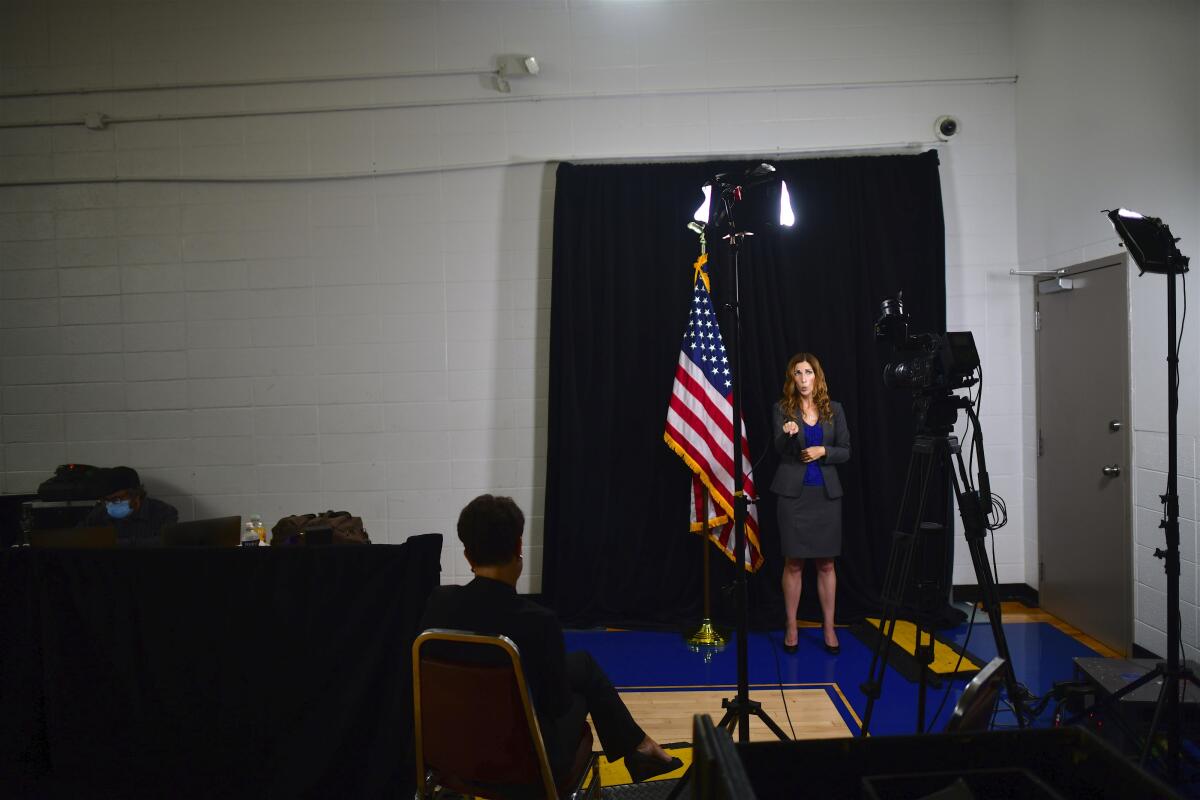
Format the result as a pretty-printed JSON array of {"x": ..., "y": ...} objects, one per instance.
[{"x": 1084, "y": 470}]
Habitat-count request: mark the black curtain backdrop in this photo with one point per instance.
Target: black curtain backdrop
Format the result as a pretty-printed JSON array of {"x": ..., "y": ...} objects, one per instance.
[{"x": 617, "y": 546}]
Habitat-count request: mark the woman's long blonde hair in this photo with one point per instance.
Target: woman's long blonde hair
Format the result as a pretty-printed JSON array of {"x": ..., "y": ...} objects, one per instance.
[{"x": 790, "y": 402}]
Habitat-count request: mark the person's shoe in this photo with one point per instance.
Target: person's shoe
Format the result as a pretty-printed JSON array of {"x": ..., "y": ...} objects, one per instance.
[
  {"x": 791, "y": 649},
  {"x": 832, "y": 649},
  {"x": 643, "y": 767}
]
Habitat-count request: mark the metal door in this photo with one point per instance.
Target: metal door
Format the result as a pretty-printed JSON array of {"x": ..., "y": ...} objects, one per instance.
[{"x": 1084, "y": 470}]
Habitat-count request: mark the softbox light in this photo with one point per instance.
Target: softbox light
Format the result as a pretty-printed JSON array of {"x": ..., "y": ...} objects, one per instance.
[
  {"x": 1149, "y": 242},
  {"x": 757, "y": 198}
]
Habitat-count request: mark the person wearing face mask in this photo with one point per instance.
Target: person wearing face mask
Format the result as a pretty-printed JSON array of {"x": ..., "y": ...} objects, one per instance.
[
  {"x": 139, "y": 519},
  {"x": 810, "y": 437}
]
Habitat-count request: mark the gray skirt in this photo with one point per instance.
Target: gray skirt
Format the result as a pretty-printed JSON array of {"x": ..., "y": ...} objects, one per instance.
[{"x": 810, "y": 526}]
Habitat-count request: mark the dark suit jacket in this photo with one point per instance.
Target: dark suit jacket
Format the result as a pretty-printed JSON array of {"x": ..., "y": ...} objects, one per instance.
[
  {"x": 789, "y": 477},
  {"x": 493, "y": 607}
]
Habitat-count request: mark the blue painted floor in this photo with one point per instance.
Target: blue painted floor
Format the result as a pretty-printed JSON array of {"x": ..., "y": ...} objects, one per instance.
[{"x": 1042, "y": 655}]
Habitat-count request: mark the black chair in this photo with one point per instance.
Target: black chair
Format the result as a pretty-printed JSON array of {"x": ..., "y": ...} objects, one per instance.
[{"x": 973, "y": 711}]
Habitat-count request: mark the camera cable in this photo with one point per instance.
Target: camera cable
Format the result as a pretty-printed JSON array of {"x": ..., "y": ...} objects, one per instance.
[
  {"x": 782, "y": 695},
  {"x": 950, "y": 682}
]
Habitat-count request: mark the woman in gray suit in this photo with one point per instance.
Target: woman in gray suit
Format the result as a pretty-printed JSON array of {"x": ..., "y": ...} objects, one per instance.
[{"x": 810, "y": 437}]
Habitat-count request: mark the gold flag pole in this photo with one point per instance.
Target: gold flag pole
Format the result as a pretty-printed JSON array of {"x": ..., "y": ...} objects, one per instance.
[{"x": 706, "y": 636}]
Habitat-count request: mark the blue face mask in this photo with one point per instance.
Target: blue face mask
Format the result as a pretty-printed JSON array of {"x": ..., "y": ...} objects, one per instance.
[{"x": 119, "y": 510}]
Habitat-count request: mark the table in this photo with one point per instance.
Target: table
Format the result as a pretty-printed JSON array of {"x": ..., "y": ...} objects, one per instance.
[{"x": 280, "y": 672}]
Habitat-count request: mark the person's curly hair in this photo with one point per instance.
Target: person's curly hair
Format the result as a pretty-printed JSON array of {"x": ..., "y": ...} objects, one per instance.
[{"x": 790, "y": 402}]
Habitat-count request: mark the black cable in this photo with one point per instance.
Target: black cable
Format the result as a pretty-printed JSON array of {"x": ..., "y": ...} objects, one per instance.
[
  {"x": 979, "y": 397},
  {"x": 754, "y": 466},
  {"x": 1182, "y": 325},
  {"x": 1000, "y": 512},
  {"x": 995, "y": 566},
  {"x": 950, "y": 681},
  {"x": 977, "y": 405},
  {"x": 782, "y": 696}
]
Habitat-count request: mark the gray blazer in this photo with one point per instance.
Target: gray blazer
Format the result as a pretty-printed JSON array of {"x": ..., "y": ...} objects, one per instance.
[{"x": 789, "y": 478}]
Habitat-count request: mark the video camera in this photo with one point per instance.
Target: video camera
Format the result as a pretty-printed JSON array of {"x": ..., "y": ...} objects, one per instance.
[{"x": 925, "y": 363}]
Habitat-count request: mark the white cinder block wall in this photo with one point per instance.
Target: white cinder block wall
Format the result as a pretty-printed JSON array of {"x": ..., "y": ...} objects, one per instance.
[
  {"x": 1108, "y": 115},
  {"x": 356, "y": 314}
]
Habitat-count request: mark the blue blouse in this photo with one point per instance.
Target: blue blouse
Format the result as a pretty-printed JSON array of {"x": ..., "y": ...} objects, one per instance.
[{"x": 813, "y": 437}]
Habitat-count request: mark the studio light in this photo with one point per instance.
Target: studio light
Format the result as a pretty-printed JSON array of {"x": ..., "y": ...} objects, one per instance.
[
  {"x": 762, "y": 197},
  {"x": 787, "y": 217},
  {"x": 701, "y": 214},
  {"x": 1149, "y": 242}
]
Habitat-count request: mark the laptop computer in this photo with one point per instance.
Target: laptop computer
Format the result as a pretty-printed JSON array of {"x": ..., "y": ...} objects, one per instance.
[
  {"x": 91, "y": 538},
  {"x": 215, "y": 532}
]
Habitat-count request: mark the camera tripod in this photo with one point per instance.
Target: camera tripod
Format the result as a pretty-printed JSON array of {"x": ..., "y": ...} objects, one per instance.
[{"x": 935, "y": 452}]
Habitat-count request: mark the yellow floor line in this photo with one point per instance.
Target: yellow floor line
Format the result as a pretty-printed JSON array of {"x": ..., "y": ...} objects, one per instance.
[
  {"x": 613, "y": 773},
  {"x": 944, "y": 657}
]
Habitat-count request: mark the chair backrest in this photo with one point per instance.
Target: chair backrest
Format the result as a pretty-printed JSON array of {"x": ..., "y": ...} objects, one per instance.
[
  {"x": 94, "y": 538},
  {"x": 973, "y": 711},
  {"x": 474, "y": 720},
  {"x": 215, "y": 532}
]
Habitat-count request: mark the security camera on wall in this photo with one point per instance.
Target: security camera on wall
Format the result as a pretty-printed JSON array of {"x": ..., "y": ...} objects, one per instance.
[{"x": 946, "y": 127}]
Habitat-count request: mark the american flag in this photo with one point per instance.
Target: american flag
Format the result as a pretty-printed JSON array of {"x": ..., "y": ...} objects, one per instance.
[{"x": 700, "y": 426}]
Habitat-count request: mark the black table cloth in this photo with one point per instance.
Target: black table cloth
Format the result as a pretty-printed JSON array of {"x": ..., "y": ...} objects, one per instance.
[{"x": 281, "y": 672}]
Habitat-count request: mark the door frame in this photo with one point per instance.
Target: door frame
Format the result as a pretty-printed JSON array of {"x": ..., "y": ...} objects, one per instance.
[{"x": 1119, "y": 261}]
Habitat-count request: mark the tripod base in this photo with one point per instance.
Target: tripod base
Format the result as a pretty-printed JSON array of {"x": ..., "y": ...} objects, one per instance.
[{"x": 737, "y": 709}]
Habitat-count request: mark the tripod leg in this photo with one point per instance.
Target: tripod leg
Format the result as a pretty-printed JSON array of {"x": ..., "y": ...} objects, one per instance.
[
  {"x": 770, "y": 723},
  {"x": 922, "y": 687},
  {"x": 1167, "y": 685},
  {"x": 899, "y": 567},
  {"x": 897, "y": 576},
  {"x": 975, "y": 530}
]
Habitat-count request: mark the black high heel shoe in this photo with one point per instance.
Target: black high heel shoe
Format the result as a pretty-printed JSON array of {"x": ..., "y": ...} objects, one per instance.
[
  {"x": 643, "y": 767},
  {"x": 832, "y": 649},
  {"x": 791, "y": 649}
]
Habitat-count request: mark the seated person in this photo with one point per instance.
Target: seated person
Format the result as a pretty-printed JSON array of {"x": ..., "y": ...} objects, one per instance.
[
  {"x": 139, "y": 519},
  {"x": 564, "y": 686}
]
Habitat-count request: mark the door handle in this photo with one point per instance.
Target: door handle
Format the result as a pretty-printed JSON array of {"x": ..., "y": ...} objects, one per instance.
[{"x": 1112, "y": 471}]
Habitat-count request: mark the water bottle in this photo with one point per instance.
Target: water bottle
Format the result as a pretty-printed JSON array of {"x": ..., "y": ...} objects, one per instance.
[
  {"x": 260, "y": 530},
  {"x": 249, "y": 534}
]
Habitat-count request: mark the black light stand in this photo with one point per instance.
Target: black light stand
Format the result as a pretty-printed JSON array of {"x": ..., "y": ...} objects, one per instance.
[
  {"x": 1152, "y": 247},
  {"x": 739, "y": 708},
  {"x": 726, "y": 192}
]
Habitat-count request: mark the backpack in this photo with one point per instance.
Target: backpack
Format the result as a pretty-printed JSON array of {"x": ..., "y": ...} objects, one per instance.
[
  {"x": 331, "y": 527},
  {"x": 72, "y": 482}
]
